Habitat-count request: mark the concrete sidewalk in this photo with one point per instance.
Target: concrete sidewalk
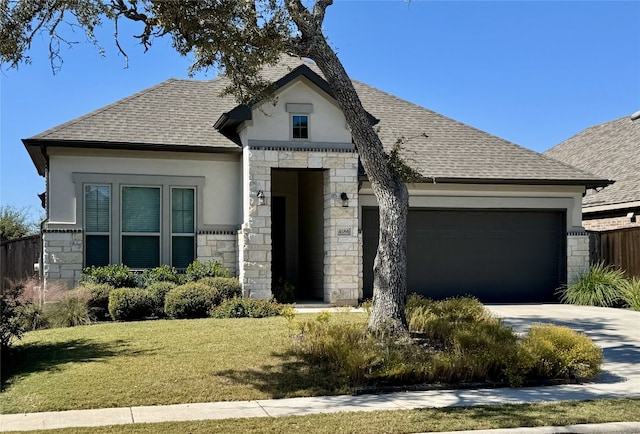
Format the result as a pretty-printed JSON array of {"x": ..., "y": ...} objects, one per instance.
[{"x": 613, "y": 329}]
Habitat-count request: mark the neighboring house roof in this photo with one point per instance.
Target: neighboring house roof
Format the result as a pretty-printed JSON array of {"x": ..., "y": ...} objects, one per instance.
[
  {"x": 610, "y": 150},
  {"x": 180, "y": 115}
]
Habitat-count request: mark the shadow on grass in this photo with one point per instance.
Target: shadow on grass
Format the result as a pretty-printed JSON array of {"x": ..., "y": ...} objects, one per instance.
[
  {"x": 39, "y": 357},
  {"x": 293, "y": 377}
]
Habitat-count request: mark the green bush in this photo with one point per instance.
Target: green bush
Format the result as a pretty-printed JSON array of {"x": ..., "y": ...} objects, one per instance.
[
  {"x": 11, "y": 328},
  {"x": 33, "y": 317},
  {"x": 197, "y": 270},
  {"x": 163, "y": 273},
  {"x": 240, "y": 307},
  {"x": 129, "y": 304},
  {"x": 631, "y": 293},
  {"x": 72, "y": 310},
  {"x": 554, "y": 352},
  {"x": 191, "y": 300},
  {"x": 226, "y": 287},
  {"x": 284, "y": 292},
  {"x": 98, "y": 300},
  {"x": 599, "y": 285},
  {"x": 118, "y": 276},
  {"x": 157, "y": 292}
]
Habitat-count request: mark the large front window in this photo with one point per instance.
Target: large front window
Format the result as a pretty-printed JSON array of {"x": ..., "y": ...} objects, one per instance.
[{"x": 141, "y": 226}]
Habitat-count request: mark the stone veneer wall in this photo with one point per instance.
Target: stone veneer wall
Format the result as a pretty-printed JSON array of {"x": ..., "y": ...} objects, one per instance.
[
  {"x": 341, "y": 260},
  {"x": 62, "y": 252},
  {"x": 219, "y": 246},
  {"x": 577, "y": 254}
]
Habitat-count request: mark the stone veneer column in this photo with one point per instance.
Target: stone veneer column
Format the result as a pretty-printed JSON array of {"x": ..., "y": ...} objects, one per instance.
[
  {"x": 341, "y": 261},
  {"x": 219, "y": 246},
  {"x": 62, "y": 253},
  {"x": 577, "y": 254}
]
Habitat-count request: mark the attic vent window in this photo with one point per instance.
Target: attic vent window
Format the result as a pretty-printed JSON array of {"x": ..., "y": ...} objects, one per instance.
[{"x": 300, "y": 126}]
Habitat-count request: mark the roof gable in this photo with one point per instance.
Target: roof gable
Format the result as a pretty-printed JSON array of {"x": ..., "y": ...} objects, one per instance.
[{"x": 610, "y": 150}]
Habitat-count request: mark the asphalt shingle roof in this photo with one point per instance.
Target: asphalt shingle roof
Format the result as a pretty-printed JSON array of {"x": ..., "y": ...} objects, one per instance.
[
  {"x": 181, "y": 113},
  {"x": 610, "y": 150}
]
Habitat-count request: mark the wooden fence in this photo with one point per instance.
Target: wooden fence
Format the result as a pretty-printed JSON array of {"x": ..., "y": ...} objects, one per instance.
[
  {"x": 17, "y": 258},
  {"x": 619, "y": 248}
]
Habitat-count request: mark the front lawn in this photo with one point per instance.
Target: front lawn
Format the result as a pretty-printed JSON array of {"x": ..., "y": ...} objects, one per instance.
[{"x": 157, "y": 362}]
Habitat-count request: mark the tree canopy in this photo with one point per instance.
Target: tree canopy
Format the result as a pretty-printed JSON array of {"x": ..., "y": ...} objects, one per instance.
[
  {"x": 15, "y": 223},
  {"x": 241, "y": 36}
]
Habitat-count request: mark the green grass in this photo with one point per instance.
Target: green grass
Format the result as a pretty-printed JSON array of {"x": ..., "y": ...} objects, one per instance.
[
  {"x": 158, "y": 362},
  {"x": 401, "y": 421}
]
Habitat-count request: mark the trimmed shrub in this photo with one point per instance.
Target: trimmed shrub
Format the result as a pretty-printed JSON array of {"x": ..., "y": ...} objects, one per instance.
[
  {"x": 241, "y": 307},
  {"x": 98, "y": 300},
  {"x": 72, "y": 310},
  {"x": 163, "y": 273},
  {"x": 197, "y": 270},
  {"x": 631, "y": 293},
  {"x": 226, "y": 287},
  {"x": 11, "y": 328},
  {"x": 555, "y": 352},
  {"x": 191, "y": 300},
  {"x": 118, "y": 276},
  {"x": 284, "y": 292},
  {"x": 129, "y": 304},
  {"x": 600, "y": 285},
  {"x": 157, "y": 292}
]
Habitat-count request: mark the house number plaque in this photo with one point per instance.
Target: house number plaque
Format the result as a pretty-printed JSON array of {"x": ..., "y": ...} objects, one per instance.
[{"x": 344, "y": 232}]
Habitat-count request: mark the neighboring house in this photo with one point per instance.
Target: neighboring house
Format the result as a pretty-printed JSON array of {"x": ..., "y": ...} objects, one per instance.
[
  {"x": 274, "y": 192},
  {"x": 610, "y": 150}
]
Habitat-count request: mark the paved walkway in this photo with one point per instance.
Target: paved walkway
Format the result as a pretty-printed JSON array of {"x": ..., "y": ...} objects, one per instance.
[{"x": 615, "y": 330}]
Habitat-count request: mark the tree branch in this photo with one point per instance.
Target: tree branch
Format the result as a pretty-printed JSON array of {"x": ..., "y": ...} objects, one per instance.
[{"x": 319, "y": 10}]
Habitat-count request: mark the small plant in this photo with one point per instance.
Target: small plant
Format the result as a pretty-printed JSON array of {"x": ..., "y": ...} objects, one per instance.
[
  {"x": 157, "y": 292},
  {"x": 191, "y": 300},
  {"x": 284, "y": 292},
  {"x": 600, "y": 285},
  {"x": 163, "y": 273},
  {"x": 11, "y": 328},
  {"x": 240, "y": 307},
  {"x": 98, "y": 300},
  {"x": 631, "y": 293},
  {"x": 72, "y": 310},
  {"x": 550, "y": 351},
  {"x": 118, "y": 276},
  {"x": 33, "y": 317},
  {"x": 197, "y": 270},
  {"x": 129, "y": 304}
]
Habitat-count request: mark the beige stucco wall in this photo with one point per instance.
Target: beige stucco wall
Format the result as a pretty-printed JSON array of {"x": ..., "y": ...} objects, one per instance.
[
  {"x": 326, "y": 123},
  {"x": 221, "y": 173},
  {"x": 489, "y": 196}
]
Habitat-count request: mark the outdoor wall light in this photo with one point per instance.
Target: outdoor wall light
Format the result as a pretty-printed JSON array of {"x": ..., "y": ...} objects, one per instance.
[
  {"x": 345, "y": 199},
  {"x": 260, "y": 196}
]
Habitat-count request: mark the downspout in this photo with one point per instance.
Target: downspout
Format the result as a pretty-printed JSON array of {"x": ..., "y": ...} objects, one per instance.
[{"x": 46, "y": 216}]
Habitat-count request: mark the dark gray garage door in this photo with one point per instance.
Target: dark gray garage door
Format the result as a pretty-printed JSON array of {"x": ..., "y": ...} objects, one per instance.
[{"x": 496, "y": 255}]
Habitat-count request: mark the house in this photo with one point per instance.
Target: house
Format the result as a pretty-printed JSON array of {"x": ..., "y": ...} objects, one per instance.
[
  {"x": 610, "y": 150},
  {"x": 274, "y": 192}
]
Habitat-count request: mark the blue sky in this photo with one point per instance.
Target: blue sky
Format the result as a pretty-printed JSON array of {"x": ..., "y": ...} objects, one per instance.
[{"x": 534, "y": 73}]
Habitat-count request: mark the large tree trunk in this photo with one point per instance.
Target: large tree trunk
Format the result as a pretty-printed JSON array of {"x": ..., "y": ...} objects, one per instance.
[{"x": 389, "y": 287}]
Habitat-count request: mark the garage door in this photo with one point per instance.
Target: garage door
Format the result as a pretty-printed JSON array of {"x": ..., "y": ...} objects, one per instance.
[{"x": 499, "y": 256}]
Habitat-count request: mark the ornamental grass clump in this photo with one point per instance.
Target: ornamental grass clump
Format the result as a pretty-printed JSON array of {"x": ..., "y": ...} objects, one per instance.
[
  {"x": 631, "y": 293},
  {"x": 599, "y": 285},
  {"x": 72, "y": 310},
  {"x": 554, "y": 352}
]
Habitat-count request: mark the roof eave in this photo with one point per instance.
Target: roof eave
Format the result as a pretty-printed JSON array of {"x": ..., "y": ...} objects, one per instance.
[{"x": 37, "y": 148}]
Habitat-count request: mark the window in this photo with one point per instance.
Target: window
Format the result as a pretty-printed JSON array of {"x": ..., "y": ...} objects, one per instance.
[
  {"x": 140, "y": 222},
  {"x": 300, "y": 124},
  {"x": 97, "y": 224},
  {"x": 182, "y": 226}
]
